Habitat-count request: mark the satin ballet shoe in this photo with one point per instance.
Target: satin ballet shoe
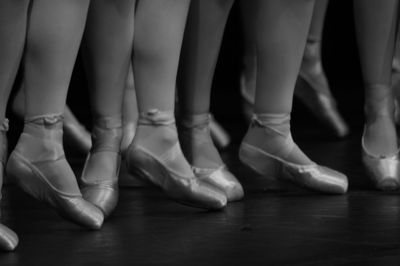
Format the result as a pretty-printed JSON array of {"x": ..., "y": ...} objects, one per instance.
[
  {"x": 39, "y": 167},
  {"x": 8, "y": 238},
  {"x": 198, "y": 128},
  {"x": 279, "y": 171},
  {"x": 321, "y": 105},
  {"x": 222, "y": 179},
  {"x": 124, "y": 178},
  {"x": 99, "y": 180},
  {"x": 247, "y": 95},
  {"x": 383, "y": 171},
  {"x": 312, "y": 89},
  {"x": 219, "y": 135},
  {"x": 186, "y": 189},
  {"x": 75, "y": 134}
]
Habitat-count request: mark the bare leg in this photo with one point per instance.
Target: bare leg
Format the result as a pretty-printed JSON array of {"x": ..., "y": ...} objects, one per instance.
[
  {"x": 281, "y": 33},
  {"x": 54, "y": 34},
  {"x": 157, "y": 44},
  {"x": 203, "y": 37},
  {"x": 13, "y": 21}
]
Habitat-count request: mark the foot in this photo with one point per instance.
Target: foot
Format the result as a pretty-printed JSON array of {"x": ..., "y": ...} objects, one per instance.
[
  {"x": 8, "y": 239},
  {"x": 380, "y": 152},
  {"x": 269, "y": 150},
  {"x": 39, "y": 167},
  {"x": 206, "y": 163},
  {"x": 100, "y": 174},
  {"x": 155, "y": 155}
]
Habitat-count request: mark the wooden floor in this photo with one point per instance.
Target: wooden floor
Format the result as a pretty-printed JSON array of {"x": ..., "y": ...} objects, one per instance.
[{"x": 267, "y": 228}]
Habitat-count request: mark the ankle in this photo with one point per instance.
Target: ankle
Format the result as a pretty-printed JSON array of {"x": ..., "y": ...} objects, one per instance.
[
  {"x": 190, "y": 126},
  {"x": 197, "y": 144},
  {"x": 107, "y": 134},
  {"x": 41, "y": 138},
  {"x": 3, "y": 141},
  {"x": 156, "y": 126},
  {"x": 379, "y": 103},
  {"x": 270, "y": 132},
  {"x": 312, "y": 50}
]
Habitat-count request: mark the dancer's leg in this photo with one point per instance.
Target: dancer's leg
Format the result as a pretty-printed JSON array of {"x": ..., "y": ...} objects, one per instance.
[
  {"x": 75, "y": 133},
  {"x": 157, "y": 44},
  {"x": 129, "y": 111},
  {"x": 312, "y": 87},
  {"x": 108, "y": 46},
  {"x": 317, "y": 21},
  {"x": 376, "y": 23},
  {"x": 13, "y": 21},
  {"x": 281, "y": 32},
  {"x": 201, "y": 45},
  {"x": 54, "y": 34}
]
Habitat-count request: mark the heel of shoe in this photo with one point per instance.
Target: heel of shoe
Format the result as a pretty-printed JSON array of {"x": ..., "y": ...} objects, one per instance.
[
  {"x": 21, "y": 174},
  {"x": 142, "y": 166},
  {"x": 125, "y": 179},
  {"x": 187, "y": 191},
  {"x": 263, "y": 170},
  {"x": 8, "y": 238}
]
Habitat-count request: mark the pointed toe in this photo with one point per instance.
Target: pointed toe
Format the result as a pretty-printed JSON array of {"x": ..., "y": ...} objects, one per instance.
[
  {"x": 221, "y": 179},
  {"x": 105, "y": 197},
  {"x": 388, "y": 184},
  {"x": 84, "y": 213},
  {"x": 8, "y": 238}
]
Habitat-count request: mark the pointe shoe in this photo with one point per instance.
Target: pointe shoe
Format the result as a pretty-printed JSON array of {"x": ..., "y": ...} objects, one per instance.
[
  {"x": 39, "y": 167},
  {"x": 8, "y": 238},
  {"x": 186, "y": 189},
  {"x": 219, "y": 135},
  {"x": 99, "y": 178},
  {"x": 277, "y": 170},
  {"x": 383, "y": 171},
  {"x": 75, "y": 134},
  {"x": 248, "y": 94},
  {"x": 124, "y": 178},
  {"x": 196, "y": 128},
  {"x": 313, "y": 90}
]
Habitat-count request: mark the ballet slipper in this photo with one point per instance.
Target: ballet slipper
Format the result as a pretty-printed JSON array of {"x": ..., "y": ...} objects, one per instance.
[
  {"x": 382, "y": 169},
  {"x": 194, "y": 135},
  {"x": 8, "y": 238},
  {"x": 167, "y": 168},
  {"x": 39, "y": 167},
  {"x": 275, "y": 168},
  {"x": 219, "y": 135},
  {"x": 313, "y": 90},
  {"x": 99, "y": 178}
]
